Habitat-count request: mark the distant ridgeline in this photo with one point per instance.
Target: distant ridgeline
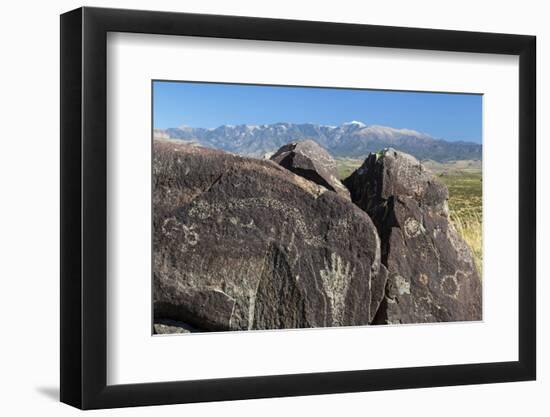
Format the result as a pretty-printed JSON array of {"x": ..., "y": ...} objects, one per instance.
[{"x": 353, "y": 140}]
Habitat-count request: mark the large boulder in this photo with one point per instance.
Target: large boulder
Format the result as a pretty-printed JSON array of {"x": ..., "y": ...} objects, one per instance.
[
  {"x": 242, "y": 243},
  {"x": 309, "y": 160},
  {"x": 432, "y": 276}
]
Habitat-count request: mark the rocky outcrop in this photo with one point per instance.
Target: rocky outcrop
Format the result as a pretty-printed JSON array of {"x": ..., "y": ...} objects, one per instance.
[
  {"x": 171, "y": 327},
  {"x": 309, "y": 160},
  {"x": 431, "y": 272},
  {"x": 241, "y": 244}
]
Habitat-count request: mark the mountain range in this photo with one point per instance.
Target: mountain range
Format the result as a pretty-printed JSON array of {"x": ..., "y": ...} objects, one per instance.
[{"x": 352, "y": 140}]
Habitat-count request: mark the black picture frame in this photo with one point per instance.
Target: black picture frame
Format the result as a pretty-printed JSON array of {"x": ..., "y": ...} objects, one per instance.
[{"x": 84, "y": 207}]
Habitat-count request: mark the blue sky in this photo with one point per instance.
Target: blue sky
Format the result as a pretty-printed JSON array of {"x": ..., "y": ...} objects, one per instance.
[{"x": 446, "y": 116}]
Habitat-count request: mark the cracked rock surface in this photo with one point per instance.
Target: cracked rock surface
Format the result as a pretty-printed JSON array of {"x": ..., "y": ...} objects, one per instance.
[
  {"x": 432, "y": 276},
  {"x": 309, "y": 160},
  {"x": 241, "y": 243}
]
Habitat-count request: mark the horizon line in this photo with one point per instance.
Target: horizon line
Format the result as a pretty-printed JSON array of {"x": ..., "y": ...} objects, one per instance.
[{"x": 365, "y": 125}]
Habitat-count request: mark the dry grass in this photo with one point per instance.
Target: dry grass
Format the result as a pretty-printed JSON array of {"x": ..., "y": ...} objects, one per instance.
[
  {"x": 463, "y": 178},
  {"x": 466, "y": 209},
  {"x": 469, "y": 226}
]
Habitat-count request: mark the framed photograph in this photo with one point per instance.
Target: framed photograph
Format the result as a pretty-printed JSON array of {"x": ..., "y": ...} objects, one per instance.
[{"x": 257, "y": 208}]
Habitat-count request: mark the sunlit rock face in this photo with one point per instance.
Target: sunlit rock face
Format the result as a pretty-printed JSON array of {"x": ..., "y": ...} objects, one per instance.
[
  {"x": 432, "y": 276},
  {"x": 309, "y": 160},
  {"x": 241, "y": 244}
]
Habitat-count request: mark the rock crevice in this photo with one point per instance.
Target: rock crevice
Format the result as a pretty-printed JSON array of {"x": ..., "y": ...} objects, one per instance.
[
  {"x": 242, "y": 243},
  {"x": 309, "y": 160},
  {"x": 431, "y": 272}
]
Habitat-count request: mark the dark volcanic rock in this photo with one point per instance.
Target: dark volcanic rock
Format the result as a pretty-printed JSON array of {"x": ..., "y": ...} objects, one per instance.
[
  {"x": 309, "y": 160},
  {"x": 171, "y": 327},
  {"x": 242, "y": 243},
  {"x": 431, "y": 272}
]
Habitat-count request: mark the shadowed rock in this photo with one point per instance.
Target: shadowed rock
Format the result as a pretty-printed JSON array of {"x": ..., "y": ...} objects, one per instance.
[
  {"x": 241, "y": 243},
  {"x": 309, "y": 160},
  {"x": 431, "y": 272},
  {"x": 171, "y": 327}
]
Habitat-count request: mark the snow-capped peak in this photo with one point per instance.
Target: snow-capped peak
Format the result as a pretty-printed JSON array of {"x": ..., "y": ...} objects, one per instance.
[
  {"x": 377, "y": 129},
  {"x": 354, "y": 123},
  {"x": 351, "y": 139}
]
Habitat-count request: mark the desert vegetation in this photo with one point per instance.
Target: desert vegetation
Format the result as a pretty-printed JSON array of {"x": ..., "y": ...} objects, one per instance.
[
  {"x": 464, "y": 181},
  {"x": 465, "y": 206},
  {"x": 245, "y": 243}
]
